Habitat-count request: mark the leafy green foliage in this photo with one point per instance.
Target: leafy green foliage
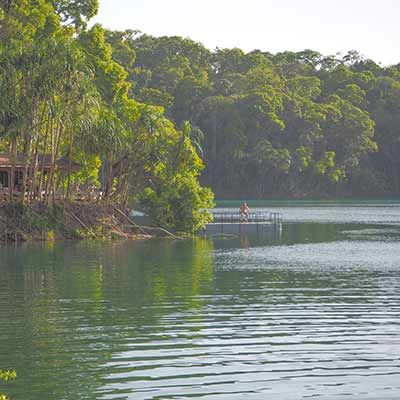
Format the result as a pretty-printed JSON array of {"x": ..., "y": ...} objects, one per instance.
[
  {"x": 76, "y": 12},
  {"x": 66, "y": 94},
  {"x": 285, "y": 124},
  {"x": 293, "y": 123},
  {"x": 179, "y": 206},
  {"x": 7, "y": 376}
]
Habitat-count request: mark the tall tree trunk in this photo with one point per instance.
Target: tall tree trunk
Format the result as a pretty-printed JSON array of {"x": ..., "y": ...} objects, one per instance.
[
  {"x": 55, "y": 148},
  {"x": 13, "y": 162},
  {"x": 41, "y": 181},
  {"x": 109, "y": 176},
  {"x": 71, "y": 139}
]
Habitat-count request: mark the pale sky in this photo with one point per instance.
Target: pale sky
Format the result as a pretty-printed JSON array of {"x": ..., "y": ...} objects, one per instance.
[{"x": 329, "y": 26}]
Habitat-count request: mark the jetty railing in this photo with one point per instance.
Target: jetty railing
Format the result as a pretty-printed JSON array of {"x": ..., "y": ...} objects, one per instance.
[{"x": 252, "y": 217}]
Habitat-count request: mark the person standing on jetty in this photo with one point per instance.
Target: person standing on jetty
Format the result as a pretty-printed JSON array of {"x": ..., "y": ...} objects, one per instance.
[{"x": 244, "y": 212}]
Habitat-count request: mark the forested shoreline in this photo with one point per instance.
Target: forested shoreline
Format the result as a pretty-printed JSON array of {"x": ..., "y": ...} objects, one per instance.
[
  {"x": 274, "y": 125},
  {"x": 70, "y": 129},
  {"x": 159, "y": 123}
]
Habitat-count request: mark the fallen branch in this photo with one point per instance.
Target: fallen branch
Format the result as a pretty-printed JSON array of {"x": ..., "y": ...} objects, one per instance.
[
  {"x": 133, "y": 223},
  {"x": 82, "y": 224},
  {"x": 142, "y": 228}
]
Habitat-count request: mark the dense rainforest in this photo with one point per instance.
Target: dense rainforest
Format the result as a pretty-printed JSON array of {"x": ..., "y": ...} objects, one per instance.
[
  {"x": 287, "y": 124},
  {"x": 153, "y": 122},
  {"x": 70, "y": 123}
]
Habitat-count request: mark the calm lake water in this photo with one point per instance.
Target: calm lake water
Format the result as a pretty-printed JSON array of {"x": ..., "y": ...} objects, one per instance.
[{"x": 311, "y": 312}]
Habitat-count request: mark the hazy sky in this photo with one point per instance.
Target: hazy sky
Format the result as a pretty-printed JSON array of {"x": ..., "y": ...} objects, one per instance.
[{"x": 370, "y": 26}]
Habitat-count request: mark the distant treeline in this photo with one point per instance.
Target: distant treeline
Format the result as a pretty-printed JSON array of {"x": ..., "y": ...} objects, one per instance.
[{"x": 294, "y": 124}]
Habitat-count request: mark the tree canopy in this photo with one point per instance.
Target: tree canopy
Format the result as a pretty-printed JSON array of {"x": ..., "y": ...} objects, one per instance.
[
  {"x": 146, "y": 118},
  {"x": 288, "y": 124},
  {"x": 66, "y": 96}
]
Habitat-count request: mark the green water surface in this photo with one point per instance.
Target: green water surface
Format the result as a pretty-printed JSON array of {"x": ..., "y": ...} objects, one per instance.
[{"x": 313, "y": 311}]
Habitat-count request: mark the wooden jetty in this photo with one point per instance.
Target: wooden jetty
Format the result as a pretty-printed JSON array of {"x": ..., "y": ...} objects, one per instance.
[{"x": 228, "y": 223}]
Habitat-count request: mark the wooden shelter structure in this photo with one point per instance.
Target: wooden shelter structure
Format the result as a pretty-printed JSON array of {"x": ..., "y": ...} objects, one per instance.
[{"x": 20, "y": 164}]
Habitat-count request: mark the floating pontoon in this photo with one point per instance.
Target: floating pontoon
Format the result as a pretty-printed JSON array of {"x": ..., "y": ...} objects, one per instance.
[{"x": 227, "y": 222}]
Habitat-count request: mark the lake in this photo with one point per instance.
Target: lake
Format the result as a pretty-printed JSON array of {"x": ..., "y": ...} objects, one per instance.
[{"x": 311, "y": 312}]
